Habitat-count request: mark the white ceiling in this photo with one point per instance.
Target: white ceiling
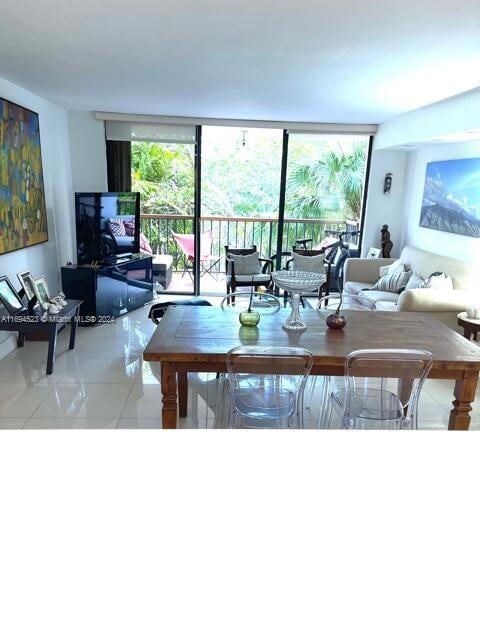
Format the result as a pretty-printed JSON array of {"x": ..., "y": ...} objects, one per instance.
[{"x": 300, "y": 60}]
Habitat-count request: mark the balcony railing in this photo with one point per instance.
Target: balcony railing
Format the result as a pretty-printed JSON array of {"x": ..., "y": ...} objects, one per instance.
[{"x": 238, "y": 232}]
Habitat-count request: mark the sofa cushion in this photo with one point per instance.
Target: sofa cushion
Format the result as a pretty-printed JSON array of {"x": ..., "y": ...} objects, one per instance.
[
  {"x": 425, "y": 263},
  {"x": 416, "y": 281},
  {"x": 377, "y": 296},
  {"x": 394, "y": 282},
  {"x": 354, "y": 288},
  {"x": 384, "y": 305},
  {"x": 438, "y": 281}
]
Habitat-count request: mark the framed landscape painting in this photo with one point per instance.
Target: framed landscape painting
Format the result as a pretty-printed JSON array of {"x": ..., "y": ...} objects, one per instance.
[
  {"x": 23, "y": 214},
  {"x": 451, "y": 197}
]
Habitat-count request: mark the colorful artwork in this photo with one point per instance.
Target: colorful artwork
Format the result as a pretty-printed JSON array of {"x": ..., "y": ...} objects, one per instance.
[
  {"x": 23, "y": 214},
  {"x": 451, "y": 197}
]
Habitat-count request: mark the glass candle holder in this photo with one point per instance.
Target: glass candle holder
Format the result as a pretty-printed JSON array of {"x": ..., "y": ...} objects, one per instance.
[{"x": 249, "y": 318}]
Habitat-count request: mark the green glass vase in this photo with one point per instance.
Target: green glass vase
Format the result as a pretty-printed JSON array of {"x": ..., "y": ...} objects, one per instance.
[{"x": 249, "y": 318}]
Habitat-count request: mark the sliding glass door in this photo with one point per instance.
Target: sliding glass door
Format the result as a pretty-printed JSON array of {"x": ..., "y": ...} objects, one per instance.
[
  {"x": 205, "y": 188},
  {"x": 240, "y": 191}
]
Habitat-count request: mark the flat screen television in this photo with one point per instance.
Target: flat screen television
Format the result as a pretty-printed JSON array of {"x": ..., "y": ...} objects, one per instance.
[{"x": 107, "y": 224}]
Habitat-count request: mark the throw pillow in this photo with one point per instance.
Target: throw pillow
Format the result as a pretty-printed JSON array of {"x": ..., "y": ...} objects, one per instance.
[
  {"x": 116, "y": 227},
  {"x": 393, "y": 282},
  {"x": 248, "y": 265},
  {"x": 129, "y": 227},
  {"x": 312, "y": 264},
  {"x": 438, "y": 280},
  {"x": 416, "y": 281},
  {"x": 392, "y": 268}
]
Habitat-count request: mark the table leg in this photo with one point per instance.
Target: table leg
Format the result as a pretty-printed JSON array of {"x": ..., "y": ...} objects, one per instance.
[
  {"x": 52, "y": 343},
  {"x": 73, "y": 332},
  {"x": 465, "y": 389},
  {"x": 169, "y": 396},
  {"x": 182, "y": 393}
]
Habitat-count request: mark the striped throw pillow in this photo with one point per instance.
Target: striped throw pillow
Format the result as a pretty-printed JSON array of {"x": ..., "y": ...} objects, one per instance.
[{"x": 393, "y": 282}]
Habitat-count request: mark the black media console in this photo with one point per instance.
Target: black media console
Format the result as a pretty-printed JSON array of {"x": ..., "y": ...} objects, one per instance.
[{"x": 109, "y": 289}]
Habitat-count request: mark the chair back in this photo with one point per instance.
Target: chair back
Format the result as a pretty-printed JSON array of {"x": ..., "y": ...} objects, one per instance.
[
  {"x": 372, "y": 372},
  {"x": 186, "y": 242},
  {"x": 266, "y": 385},
  {"x": 237, "y": 252}
]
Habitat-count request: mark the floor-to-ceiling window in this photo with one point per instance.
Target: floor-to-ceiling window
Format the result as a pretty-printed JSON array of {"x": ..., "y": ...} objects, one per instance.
[
  {"x": 203, "y": 188},
  {"x": 324, "y": 187},
  {"x": 240, "y": 191}
]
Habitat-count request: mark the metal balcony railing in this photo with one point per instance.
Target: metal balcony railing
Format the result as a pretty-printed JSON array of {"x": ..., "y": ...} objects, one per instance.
[{"x": 239, "y": 232}]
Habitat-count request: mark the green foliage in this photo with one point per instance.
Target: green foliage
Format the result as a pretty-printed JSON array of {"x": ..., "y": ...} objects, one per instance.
[{"x": 332, "y": 183}]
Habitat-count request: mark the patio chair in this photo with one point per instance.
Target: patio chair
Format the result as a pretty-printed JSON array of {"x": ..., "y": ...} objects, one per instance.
[
  {"x": 243, "y": 268},
  {"x": 186, "y": 243},
  {"x": 309, "y": 260},
  {"x": 266, "y": 386}
]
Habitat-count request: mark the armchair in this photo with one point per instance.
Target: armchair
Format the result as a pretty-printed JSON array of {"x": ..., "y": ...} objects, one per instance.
[{"x": 244, "y": 266}]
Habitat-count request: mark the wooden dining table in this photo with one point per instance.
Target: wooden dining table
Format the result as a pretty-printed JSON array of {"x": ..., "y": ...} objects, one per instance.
[{"x": 198, "y": 338}]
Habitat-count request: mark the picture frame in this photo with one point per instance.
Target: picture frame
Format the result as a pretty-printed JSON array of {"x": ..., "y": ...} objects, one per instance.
[
  {"x": 26, "y": 280},
  {"x": 9, "y": 297},
  {"x": 41, "y": 291},
  {"x": 22, "y": 205},
  {"x": 373, "y": 253}
]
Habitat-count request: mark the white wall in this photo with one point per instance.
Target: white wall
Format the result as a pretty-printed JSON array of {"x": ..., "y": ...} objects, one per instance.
[
  {"x": 460, "y": 113},
  {"x": 44, "y": 259},
  {"x": 383, "y": 208},
  {"x": 448, "y": 244},
  {"x": 87, "y": 152}
]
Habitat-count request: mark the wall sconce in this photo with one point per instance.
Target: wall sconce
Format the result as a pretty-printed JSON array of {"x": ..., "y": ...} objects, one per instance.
[{"x": 387, "y": 185}]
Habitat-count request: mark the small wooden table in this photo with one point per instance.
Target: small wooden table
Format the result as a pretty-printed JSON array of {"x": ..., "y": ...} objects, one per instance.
[
  {"x": 471, "y": 326},
  {"x": 198, "y": 338},
  {"x": 44, "y": 328}
]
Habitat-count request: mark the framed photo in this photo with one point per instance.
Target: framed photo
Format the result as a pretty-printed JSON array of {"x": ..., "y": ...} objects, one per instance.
[
  {"x": 373, "y": 253},
  {"x": 9, "y": 297},
  {"x": 41, "y": 291},
  {"x": 26, "y": 280}
]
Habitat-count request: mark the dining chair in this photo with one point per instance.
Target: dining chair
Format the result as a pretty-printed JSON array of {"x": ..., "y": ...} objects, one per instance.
[
  {"x": 382, "y": 388},
  {"x": 266, "y": 386},
  {"x": 331, "y": 303}
]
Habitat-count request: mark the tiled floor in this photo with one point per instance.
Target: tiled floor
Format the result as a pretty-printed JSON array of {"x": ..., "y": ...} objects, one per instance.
[{"x": 105, "y": 384}]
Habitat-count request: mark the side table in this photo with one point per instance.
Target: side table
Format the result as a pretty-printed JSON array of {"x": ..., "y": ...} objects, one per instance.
[
  {"x": 471, "y": 326},
  {"x": 43, "y": 327}
]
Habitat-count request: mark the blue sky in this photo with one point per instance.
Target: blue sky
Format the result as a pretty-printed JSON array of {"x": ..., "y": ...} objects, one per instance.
[{"x": 460, "y": 178}]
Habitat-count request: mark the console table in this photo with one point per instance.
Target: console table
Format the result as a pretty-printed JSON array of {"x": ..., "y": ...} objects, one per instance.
[
  {"x": 109, "y": 290},
  {"x": 41, "y": 327}
]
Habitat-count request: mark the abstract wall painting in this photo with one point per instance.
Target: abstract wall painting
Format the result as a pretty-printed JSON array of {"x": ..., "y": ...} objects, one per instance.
[
  {"x": 23, "y": 214},
  {"x": 451, "y": 197}
]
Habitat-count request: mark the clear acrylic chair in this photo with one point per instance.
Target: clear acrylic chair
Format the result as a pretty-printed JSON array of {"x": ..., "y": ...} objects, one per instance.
[
  {"x": 382, "y": 388},
  {"x": 266, "y": 386},
  {"x": 326, "y": 305}
]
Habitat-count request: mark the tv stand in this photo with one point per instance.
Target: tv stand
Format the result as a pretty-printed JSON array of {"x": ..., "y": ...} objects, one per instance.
[{"x": 109, "y": 290}]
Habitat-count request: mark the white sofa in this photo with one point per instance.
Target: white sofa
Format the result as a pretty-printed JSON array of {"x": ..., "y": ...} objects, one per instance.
[{"x": 361, "y": 274}]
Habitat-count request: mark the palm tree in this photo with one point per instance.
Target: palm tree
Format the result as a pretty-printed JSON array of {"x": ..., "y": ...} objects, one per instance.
[{"x": 333, "y": 183}]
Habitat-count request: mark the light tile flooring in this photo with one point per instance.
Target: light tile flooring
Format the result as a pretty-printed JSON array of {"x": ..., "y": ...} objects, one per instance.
[{"x": 104, "y": 384}]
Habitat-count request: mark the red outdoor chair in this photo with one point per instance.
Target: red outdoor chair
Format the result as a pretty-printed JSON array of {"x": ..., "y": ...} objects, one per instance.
[{"x": 186, "y": 243}]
